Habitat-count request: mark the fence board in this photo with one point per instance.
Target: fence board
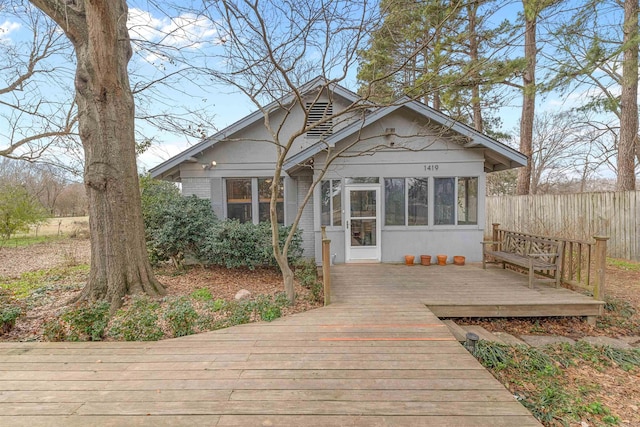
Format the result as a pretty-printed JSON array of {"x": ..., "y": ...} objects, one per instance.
[{"x": 576, "y": 216}]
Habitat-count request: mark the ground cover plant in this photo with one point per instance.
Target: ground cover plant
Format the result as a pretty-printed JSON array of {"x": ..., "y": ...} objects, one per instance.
[
  {"x": 37, "y": 303},
  {"x": 575, "y": 384}
]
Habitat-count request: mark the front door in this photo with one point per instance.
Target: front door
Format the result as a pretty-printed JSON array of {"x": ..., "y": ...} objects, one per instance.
[{"x": 363, "y": 223}]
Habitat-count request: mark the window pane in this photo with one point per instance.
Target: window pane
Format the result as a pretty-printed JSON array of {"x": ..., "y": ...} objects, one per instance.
[
  {"x": 239, "y": 199},
  {"x": 444, "y": 201},
  {"x": 363, "y": 232},
  {"x": 418, "y": 201},
  {"x": 362, "y": 180},
  {"x": 363, "y": 203},
  {"x": 468, "y": 201},
  {"x": 394, "y": 201},
  {"x": 337, "y": 202},
  {"x": 264, "y": 194},
  {"x": 325, "y": 202}
]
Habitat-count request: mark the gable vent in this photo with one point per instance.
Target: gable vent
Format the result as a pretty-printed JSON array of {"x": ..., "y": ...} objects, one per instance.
[{"x": 318, "y": 111}]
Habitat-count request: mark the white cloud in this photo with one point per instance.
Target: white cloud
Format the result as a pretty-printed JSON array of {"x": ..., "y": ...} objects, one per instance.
[
  {"x": 6, "y": 28},
  {"x": 186, "y": 31}
]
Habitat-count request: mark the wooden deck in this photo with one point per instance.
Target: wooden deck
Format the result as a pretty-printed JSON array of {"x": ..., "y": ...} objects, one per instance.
[
  {"x": 376, "y": 357},
  {"x": 467, "y": 291}
]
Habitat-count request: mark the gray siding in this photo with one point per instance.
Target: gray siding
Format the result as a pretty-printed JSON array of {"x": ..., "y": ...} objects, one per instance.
[
  {"x": 306, "y": 221},
  {"x": 200, "y": 187}
]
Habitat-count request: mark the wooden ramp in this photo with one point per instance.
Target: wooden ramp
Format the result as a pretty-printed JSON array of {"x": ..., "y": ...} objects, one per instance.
[{"x": 366, "y": 360}]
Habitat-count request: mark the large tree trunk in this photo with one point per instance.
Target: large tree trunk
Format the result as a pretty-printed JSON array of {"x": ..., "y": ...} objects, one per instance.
[
  {"x": 528, "y": 97},
  {"x": 119, "y": 262},
  {"x": 629, "y": 100}
]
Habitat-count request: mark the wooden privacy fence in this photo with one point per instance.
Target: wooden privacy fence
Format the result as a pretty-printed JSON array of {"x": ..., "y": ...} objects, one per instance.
[
  {"x": 574, "y": 216},
  {"x": 582, "y": 264}
]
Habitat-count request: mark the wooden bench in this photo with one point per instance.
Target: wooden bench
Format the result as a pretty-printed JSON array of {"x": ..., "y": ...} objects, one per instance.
[{"x": 532, "y": 252}]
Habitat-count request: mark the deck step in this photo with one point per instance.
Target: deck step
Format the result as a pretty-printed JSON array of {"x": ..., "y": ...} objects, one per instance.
[{"x": 456, "y": 330}]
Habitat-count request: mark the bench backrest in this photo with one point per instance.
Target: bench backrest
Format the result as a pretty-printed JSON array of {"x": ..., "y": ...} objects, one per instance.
[{"x": 524, "y": 245}]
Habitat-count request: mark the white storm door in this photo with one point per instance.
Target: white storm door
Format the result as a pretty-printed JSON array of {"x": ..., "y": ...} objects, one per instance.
[{"x": 363, "y": 223}]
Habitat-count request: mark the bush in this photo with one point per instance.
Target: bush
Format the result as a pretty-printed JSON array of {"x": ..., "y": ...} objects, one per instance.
[
  {"x": 187, "y": 222},
  {"x": 137, "y": 322},
  {"x": 270, "y": 308},
  {"x": 8, "y": 315},
  {"x": 233, "y": 244},
  {"x": 306, "y": 272},
  {"x": 202, "y": 294},
  {"x": 181, "y": 317},
  {"x": 87, "y": 322},
  {"x": 18, "y": 210},
  {"x": 174, "y": 225}
]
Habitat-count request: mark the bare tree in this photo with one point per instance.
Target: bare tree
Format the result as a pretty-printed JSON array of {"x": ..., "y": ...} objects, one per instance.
[
  {"x": 98, "y": 31},
  {"x": 565, "y": 150},
  {"x": 36, "y": 105},
  {"x": 268, "y": 49}
]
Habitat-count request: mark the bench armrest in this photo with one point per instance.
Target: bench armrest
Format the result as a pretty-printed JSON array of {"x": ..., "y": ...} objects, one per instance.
[
  {"x": 485, "y": 242},
  {"x": 541, "y": 255}
]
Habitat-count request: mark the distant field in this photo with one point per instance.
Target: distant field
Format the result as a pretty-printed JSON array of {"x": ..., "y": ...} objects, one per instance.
[{"x": 60, "y": 226}]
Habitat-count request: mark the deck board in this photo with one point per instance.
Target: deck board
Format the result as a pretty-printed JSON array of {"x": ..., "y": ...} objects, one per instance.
[{"x": 378, "y": 356}]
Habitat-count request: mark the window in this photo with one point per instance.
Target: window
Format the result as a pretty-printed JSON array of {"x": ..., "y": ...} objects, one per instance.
[
  {"x": 468, "y": 201},
  {"x": 243, "y": 201},
  {"x": 318, "y": 111},
  {"x": 239, "y": 199},
  {"x": 394, "y": 204},
  {"x": 264, "y": 199},
  {"x": 418, "y": 201},
  {"x": 331, "y": 202},
  {"x": 406, "y": 201},
  {"x": 444, "y": 199}
]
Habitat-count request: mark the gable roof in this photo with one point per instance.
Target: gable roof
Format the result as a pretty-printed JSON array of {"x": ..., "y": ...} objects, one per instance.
[
  {"x": 506, "y": 157},
  {"x": 188, "y": 154},
  {"x": 498, "y": 156}
]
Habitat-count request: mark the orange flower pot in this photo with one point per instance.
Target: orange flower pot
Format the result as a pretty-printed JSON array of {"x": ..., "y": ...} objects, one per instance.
[
  {"x": 408, "y": 259},
  {"x": 425, "y": 259},
  {"x": 442, "y": 259},
  {"x": 458, "y": 260}
]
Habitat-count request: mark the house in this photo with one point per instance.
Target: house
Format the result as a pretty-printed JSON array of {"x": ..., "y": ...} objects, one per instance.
[{"x": 409, "y": 180}]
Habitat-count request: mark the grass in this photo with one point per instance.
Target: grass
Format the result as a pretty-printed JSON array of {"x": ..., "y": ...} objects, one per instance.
[
  {"x": 624, "y": 264},
  {"x": 33, "y": 283},
  {"x": 21, "y": 241},
  {"x": 558, "y": 383}
]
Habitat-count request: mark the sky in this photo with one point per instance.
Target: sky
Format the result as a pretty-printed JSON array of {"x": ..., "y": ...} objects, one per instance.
[{"x": 193, "y": 37}]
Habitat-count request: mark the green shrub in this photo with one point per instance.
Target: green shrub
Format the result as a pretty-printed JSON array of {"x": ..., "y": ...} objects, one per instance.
[
  {"x": 202, "y": 294},
  {"x": 8, "y": 315},
  {"x": 53, "y": 330},
  {"x": 137, "y": 322},
  {"x": 233, "y": 244},
  {"x": 186, "y": 224},
  {"x": 181, "y": 316},
  {"x": 87, "y": 322},
  {"x": 238, "y": 312},
  {"x": 269, "y": 308},
  {"x": 306, "y": 272},
  {"x": 174, "y": 225},
  {"x": 216, "y": 305}
]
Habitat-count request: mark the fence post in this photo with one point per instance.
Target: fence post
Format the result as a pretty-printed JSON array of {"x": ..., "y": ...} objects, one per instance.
[
  {"x": 495, "y": 236},
  {"x": 601, "y": 266},
  {"x": 326, "y": 266}
]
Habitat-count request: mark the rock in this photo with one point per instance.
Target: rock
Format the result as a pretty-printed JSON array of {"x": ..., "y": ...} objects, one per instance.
[
  {"x": 611, "y": 342},
  {"x": 242, "y": 294},
  {"x": 542, "y": 340}
]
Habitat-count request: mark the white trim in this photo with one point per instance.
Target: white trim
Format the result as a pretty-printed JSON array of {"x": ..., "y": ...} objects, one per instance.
[{"x": 368, "y": 254}]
